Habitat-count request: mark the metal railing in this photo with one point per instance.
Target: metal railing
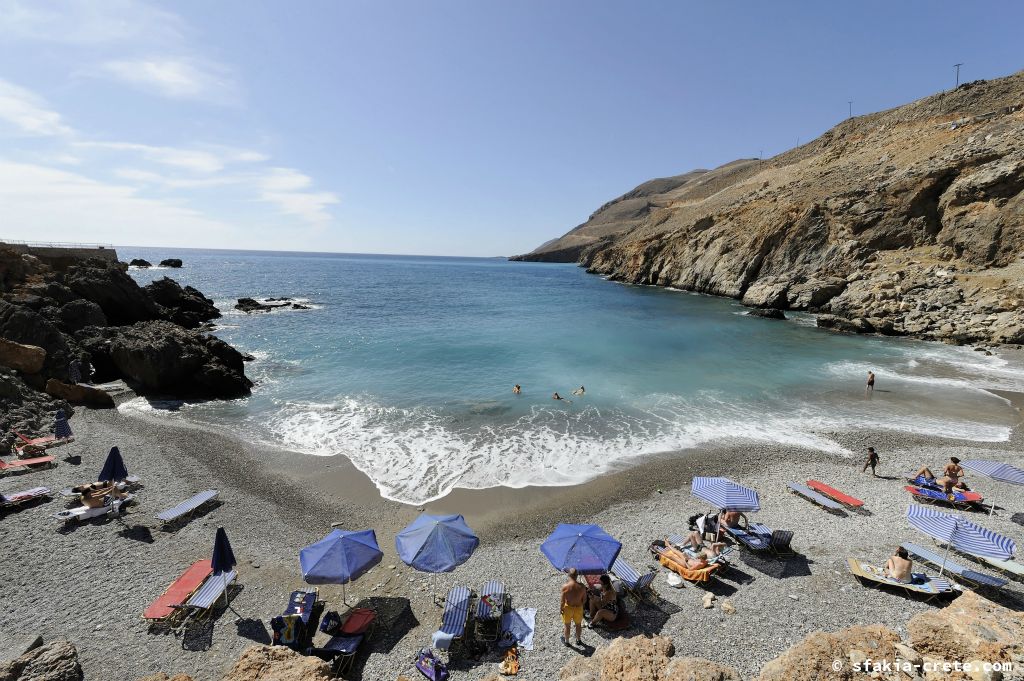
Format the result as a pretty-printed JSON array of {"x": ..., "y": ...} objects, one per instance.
[{"x": 44, "y": 244}]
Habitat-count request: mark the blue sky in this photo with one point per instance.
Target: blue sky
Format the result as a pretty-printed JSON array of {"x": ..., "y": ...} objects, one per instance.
[{"x": 448, "y": 127}]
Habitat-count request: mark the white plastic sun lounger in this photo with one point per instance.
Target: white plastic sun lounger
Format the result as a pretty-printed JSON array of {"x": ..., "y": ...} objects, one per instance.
[
  {"x": 1011, "y": 567},
  {"x": 113, "y": 507},
  {"x": 186, "y": 507}
]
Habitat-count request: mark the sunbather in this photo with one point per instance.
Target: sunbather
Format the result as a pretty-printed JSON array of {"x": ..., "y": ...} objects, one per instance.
[
  {"x": 899, "y": 565},
  {"x": 604, "y": 602},
  {"x": 696, "y": 542},
  {"x": 95, "y": 495},
  {"x": 732, "y": 519},
  {"x": 950, "y": 477}
]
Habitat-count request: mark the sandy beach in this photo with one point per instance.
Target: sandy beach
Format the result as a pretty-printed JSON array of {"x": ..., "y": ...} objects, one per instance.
[{"x": 90, "y": 583}]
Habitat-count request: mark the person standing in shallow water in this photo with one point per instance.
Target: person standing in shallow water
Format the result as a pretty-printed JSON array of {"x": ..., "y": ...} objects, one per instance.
[
  {"x": 872, "y": 461},
  {"x": 870, "y": 387},
  {"x": 516, "y": 389}
]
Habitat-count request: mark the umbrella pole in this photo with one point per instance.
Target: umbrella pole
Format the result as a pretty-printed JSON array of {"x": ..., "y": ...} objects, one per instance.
[
  {"x": 344, "y": 598},
  {"x": 944, "y": 554},
  {"x": 991, "y": 508}
]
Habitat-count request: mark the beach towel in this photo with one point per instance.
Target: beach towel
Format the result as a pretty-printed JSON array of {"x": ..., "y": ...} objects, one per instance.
[
  {"x": 442, "y": 640},
  {"x": 518, "y": 627}
]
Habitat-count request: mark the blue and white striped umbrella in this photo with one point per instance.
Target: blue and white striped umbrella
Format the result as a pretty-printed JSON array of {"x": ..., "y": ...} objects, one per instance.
[
  {"x": 61, "y": 429},
  {"x": 1001, "y": 472},
  {"x": 725, "y": 494},
  {"x": 960, "y": 533}
]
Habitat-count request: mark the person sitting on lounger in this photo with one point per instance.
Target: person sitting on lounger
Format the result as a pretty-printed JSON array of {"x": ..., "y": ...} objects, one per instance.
[
  {"x": 899, "y": 565},
  {"x": 95, "y": 495},
  {"x": 604, "y": 604},
  {"x": 732, "y": 519},
  {"x": 696, "y": 542},
  {"x": 947, "y": 481}
]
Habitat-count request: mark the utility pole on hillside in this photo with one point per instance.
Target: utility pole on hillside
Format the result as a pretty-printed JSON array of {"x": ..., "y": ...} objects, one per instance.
[
  {"x": 850, "y": 103},
  {"x": 957, "y": 67}
]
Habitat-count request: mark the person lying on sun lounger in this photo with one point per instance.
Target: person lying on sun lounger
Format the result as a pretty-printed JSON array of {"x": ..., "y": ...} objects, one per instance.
[
  {"x": 696, "y": 542},
  {"x": 94, "y": 495},
  {"x": 732, "y": 519},
  {"x": 604, "y": 602},
  {"x": 898, "y": 567},
  {"x": 951, "y": 478}
]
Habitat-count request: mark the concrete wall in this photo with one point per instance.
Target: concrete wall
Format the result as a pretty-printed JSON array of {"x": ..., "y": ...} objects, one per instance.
[{"x": 60, "y": 256}]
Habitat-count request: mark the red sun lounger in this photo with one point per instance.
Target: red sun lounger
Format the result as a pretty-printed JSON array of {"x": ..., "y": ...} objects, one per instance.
[
  {"x": 164, "y": 607},
  {"x": 25, "y": 464},
  {"x": 833, "y": 493}
]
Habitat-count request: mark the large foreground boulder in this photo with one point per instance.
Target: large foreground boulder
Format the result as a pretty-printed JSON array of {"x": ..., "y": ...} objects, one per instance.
[
  {"x": 76, "y": 393},
  {"x": 163, "y": 358},
  {"x": 644, "y": 659},
  {"x": 27, "y": 359},
  {"x": 277, "y": 663},
  {"x": 122, "y": 300},
  {"x": 186, "y": 306},
  {"x": 813, "y": 658},
  {"x": 970, "y": 628},
  {"x": 21, "y": 324},
  {"x": 54, "y": 661}
]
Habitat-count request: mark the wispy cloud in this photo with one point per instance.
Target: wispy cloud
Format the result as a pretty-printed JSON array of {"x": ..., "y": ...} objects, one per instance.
[
  {"x": 194, "y": 160},
  {"x": 88, "y": 23},
  {"x": 28, "y": 113},
  {"x": 284, "y": 187},
  {"x": 177, "y": 78}
]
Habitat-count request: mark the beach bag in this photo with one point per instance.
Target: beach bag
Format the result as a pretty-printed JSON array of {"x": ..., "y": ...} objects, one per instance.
[
  {"x": 510, "y": 665},
  {"x": 330, "y": 623},
  {"x": 430, "y": 666}
]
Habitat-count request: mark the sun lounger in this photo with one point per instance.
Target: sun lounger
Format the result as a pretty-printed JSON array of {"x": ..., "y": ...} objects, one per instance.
[
  {"x": 680, "y": 542},
  {"x": 926, "y": 495},
  {"x": 836, "y": 495},
  {"x": 18, "y": 498},
  {"x": 1012, "y": 567},
  {"x": 814, "y": 497},
  {"x": 111, "y": 507},
  {"x": 921, "y": 583},
  {"x": 675, "y": 561},
  {"x": 756, "y": 537},
  {"x": 164, "y": 610},
  {"x": 34, "y": 445},
  {"x": 971, "y": 577},
  {"x": 342, "y": 647},
  {"x": 21, "y": 465},
  {"x": 203, "y": 602},
  {"x": 454, "y": 617},
  {"x": 489, "y": 609},
  {"x": 638, "y": 585},
  {"x": 186, "y": 507}
]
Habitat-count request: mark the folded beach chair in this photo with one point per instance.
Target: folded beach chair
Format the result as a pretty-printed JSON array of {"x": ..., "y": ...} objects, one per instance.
[
  {"x": 489, "y": 609},
  {"x": 834, "y": 494},
  {"x": 780, "y": 541},
  {"x": 675, "y": 561},
  {"x": 926, "y": 495},
  {"x": 814, "y": 497},
  {"x": 637, "y": 585},
  {"x": 164, "y": 611},
  {"x": 966, "y": 575},
  {"x": 454, "y": 618},
  {"x": 186, "y": 507},
  {"x": 343, "y": 646},
  {"x": 678, "y": 541},
  {"x": 18, "y": 498},
  {"x": 111, "y": 507},
  {"x": 921, "y": 584},
  {"x": 756, "y": 537},
  {"x": 22, "y": 465}
]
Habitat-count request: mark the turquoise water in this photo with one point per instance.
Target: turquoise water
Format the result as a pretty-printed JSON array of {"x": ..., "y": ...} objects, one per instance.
[{"x": 405, "y": 365}]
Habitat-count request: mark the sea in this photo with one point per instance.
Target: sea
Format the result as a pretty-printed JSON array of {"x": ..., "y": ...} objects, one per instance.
[{"x": 405, "y": 366}]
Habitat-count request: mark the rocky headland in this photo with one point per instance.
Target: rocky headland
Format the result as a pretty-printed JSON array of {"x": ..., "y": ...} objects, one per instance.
[
  {"x": 92, "y": 312},
  {"x": 905, "y": 222}
]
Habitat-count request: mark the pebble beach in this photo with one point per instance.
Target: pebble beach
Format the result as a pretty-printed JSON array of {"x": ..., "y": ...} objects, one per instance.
[{"x": 91, "y": 582}]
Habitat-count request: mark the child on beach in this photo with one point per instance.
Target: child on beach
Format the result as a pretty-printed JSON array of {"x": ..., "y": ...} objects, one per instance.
[{"x": 872, "y": 461}]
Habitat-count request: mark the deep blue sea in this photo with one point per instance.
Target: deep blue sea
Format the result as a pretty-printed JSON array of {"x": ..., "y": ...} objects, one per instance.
[{"x": 405, "y": 365}]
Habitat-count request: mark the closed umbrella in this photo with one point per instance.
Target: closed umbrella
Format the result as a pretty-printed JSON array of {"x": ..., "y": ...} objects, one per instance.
[
  {"x": 223, "y": 559},
  {"x": 61, "y": 428},
  {"x": 339, "y": 558},
  {"x": 436, "y": 543},
  {"x": 113, "y": 469},
  {"x": 1001, "y": 472},
  {"x": 587, "y": 548},
  {"x": 960, "y": 533}
]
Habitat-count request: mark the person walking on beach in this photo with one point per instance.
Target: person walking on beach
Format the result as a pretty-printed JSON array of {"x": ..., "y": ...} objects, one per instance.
[
  {"x": 516, "y": 389},
  {"x": 574, "y": 595},
  {"x": 870, "y": 387},
  {"x": 872, "y": 461}
]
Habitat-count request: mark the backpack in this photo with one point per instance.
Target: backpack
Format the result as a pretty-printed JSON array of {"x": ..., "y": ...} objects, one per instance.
[{"x": 430, "y": 666}]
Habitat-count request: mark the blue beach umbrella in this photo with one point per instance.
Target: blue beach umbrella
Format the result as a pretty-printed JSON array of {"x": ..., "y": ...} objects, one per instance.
[
  {"x": 223, "y": 558},
  {"x": 61, "y": 428},
  {"x": 960, "y": 533},
  {"x": 113, "y": 469},
  {"x": 587, "y": 548},
  {"x": 340, "y": 557},
  {"x": 1000, "y": 472},
  {"x": 724, "y": 494},
  {"x": 436, "y": 543}
]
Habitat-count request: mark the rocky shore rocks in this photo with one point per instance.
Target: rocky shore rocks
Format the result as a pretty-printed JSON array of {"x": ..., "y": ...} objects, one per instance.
[
  {"x": 171, "y": 262},
  {"x": 139, "y": 262},
  {"x": 55, "y": 661},
  {"x": 904, "y": 222},
  {"x": 250, "y": 305}
]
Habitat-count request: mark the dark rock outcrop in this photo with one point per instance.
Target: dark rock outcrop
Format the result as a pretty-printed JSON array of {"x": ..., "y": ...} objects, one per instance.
[
  {"x": 24, "y": 325},
  {"x": 184, "y": 306},
  {"x": 139, "y": 262},
  {"x": 171, "y": 262},
  {"x": 78, "y": 314},
  {"x": 24, "y": 409},
  {"x": 28, "y": 359},
  {"x": 767, "y": 313},
  {"x": 909, "y": 220},
  {"x": 54, "y": 661},
  {"x": 116, "y": 293},
  {"x": 249, "y": 305}
]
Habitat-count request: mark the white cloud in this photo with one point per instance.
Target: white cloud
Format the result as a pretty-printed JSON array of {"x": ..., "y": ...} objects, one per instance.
[
  {"x": 281, "y": 186},
  {"x": 88, "y": 23},
  {"x": 28, "y": 112},
  {"x": 208, "y": 160},
  {"x": 173, "y": 77}
]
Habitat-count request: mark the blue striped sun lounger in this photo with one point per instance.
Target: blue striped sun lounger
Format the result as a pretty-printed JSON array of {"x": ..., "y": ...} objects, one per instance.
[
  {"x": 454, "y": 618},
  {"x": 186, "y": 507},
  {"x": 811, "y": 495},
  {"x": 967, "y": 575},
  {"x": 635, "y": 583},
  {"x": 213, "y": 588},
  {"x": 489, "y": 615},
  {"x": 756, "y": 538},
  {"x": 682, "y": 543}
]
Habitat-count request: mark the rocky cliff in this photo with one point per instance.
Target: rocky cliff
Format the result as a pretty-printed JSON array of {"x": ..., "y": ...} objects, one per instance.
[{"x": 904, "y": 222}]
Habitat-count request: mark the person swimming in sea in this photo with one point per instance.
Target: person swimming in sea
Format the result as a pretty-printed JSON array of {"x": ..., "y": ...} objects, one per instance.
[
  {"x": 579, "y": 391},
  {"x": 556, "y": 396},
  {"x": 517, "y": 389}
]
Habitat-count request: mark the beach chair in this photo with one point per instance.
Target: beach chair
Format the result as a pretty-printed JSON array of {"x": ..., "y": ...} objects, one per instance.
[
  {"x": 454, "y": 618},
  {"x": 927, "y": 495},
  {"x": 489, "y": 609},
  {"x": 15, "y": 499},
  {"x": 675, "y": 560},
  {"x": 164, "y": 611},
  {"x": 34, "y": 445},
  {"x": 23, "y": 465},
  {"x": 203, "y": 603},
  {"x": 341, "y": 649},
  {"x": 292, "y": 628},
  {"x": 112, "y": 506},
  {"x": 636, "y": 584},
  {"x": 186, "y": 508},
  {"x": 756, "y": 537},
  {"x": 834, "y": 494},
  {"x": 678, "y": 541},
  {"x": 966, "y": 575},
  {"x": 814, "y": 497},
  {"x": 921, "y": 584},
  {"x": 1012, "y": 567},
  {"x": 780, "y": 541}
]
